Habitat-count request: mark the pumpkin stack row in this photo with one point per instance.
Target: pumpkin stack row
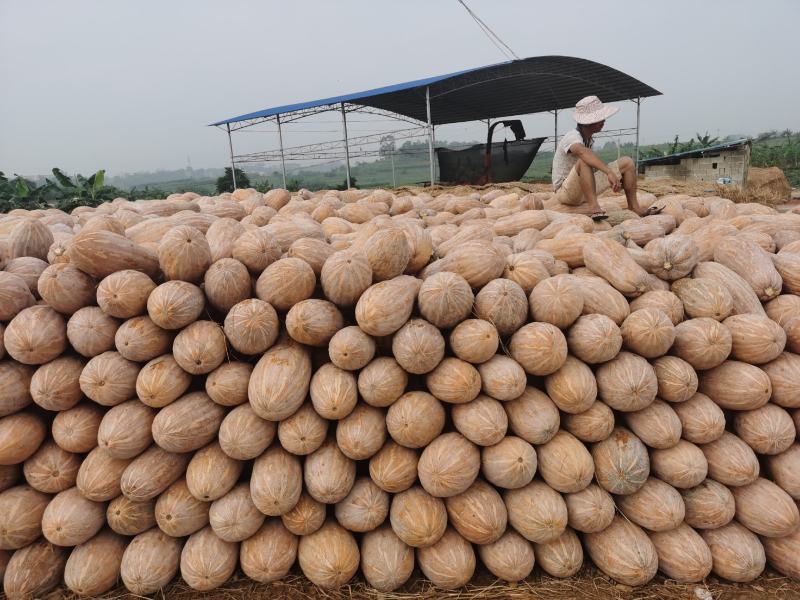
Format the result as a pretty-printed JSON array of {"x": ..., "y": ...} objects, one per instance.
[{"x": 360, "y": 380}]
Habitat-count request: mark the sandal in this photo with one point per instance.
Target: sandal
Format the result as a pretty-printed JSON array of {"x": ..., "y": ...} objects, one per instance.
[{"x": 599, "y": 216}]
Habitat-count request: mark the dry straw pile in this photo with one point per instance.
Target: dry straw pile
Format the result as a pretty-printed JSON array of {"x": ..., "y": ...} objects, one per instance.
[{"x": 363, "y": 380}]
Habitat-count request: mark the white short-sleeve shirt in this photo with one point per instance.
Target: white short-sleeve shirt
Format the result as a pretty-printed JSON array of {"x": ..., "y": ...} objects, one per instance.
[{"x": 564, "y": 160}]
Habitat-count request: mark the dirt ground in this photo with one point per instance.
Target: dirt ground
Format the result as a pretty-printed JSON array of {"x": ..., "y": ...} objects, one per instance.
[{"x": 589, "y": 584}]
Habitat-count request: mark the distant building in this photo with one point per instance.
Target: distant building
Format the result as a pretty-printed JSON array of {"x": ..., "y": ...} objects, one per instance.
[{"x": 726, "y": 163}]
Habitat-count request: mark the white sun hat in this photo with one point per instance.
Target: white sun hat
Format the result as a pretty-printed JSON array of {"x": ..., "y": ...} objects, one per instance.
[{"x": 590, "y": 110}]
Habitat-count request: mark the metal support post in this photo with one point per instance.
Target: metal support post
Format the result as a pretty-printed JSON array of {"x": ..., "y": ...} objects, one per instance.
[
  {"x": 280, "y": 140},
  {"x": 394, "y": 180},
  {"x": 638, "y": 107},
  {"x": 555, "y": 130},
  {"x": 233, "y": 165},
  {"x": 346, "y": 148},
  {"x": 430, "y": 133}
]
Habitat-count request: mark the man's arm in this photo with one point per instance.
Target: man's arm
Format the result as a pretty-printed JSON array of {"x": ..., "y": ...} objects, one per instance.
[{"x": 594, "y": 161}]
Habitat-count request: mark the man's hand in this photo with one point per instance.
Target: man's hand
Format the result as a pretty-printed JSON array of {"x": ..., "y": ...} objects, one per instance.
[{"x": 614, "y": 181}]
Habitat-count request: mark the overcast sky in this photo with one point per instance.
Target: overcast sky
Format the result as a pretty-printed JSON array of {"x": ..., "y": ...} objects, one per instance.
[{"x": 130, "y": 86}]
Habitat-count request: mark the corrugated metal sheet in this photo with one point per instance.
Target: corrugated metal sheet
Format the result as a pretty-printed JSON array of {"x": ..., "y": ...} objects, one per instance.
[{"x": 517, "y": 87}]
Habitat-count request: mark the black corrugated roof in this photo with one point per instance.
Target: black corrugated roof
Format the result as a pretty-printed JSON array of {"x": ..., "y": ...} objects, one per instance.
[
  {"x": 518, "y": 87},
  {"x": 657, "y": 160}
]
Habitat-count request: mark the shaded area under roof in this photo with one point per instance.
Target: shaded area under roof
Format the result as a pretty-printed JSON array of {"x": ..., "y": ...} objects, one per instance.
[
  {"x": 699, "y": 152},
  {"x": 518, "y": 87}
]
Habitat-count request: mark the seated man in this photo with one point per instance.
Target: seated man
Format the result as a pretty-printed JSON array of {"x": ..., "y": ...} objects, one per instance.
[{"x": 579, "y": 175}]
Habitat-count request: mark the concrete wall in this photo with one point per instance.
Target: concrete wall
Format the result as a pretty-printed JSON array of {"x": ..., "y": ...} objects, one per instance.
[{"x": 728, "y": 163}]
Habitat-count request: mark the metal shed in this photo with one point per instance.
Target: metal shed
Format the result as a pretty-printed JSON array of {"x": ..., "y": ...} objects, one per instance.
[{"x": 526, "y": 86}]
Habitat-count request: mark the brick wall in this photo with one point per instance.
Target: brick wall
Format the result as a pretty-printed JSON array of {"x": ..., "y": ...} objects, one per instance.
[{"x": 728, "y": 163}]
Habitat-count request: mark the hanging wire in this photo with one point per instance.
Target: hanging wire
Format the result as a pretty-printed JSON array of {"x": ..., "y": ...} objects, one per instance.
[{"x": 505, "y": 49}]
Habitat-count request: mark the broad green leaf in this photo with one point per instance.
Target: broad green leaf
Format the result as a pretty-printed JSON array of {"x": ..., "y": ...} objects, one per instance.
[
  {"x": 22, "y": 189},
  {"x": 98, "y": 177},
  {"x": 63, "y": 179}
]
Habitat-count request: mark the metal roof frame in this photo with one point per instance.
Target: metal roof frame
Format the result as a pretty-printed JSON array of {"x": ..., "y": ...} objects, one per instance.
[{"x": 524, "y": 86}]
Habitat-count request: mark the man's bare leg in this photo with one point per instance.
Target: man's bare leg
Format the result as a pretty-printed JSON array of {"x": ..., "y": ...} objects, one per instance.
[
  {"x": 588, "y": 186},
  {"x": 628, "y": 171}
]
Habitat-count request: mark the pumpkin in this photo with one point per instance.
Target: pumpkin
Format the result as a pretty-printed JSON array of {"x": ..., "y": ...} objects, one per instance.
[
  {"x": 14, "y": 295},
  {"x": 767, "y": 430},
  {"x": 561, "y": 557},
  {"x": 75, "y": 430},
  {"x": 175, "y": 304},
  {"x": 663, "y": 300},
  {"x": 344, "y": 276},
  {"x": 590, "y": 509},
  {"x": 91, "y": 332},
  {"x": 731, "y": 461},
  {"x": 21, "y": 517},
  {"x": 276, "y": 481},
  {"x": 361, "y": 433},
  {"x": 384, "y": 307},
  {"x": 70, "y": 519},
  {"x": 394, "y": 467},
  {"x": 709, "y": 505},
  {"x": 418, "y": 518},
  {"x": 784, "y": 470},
  {"x": 244, "y": 435},
  {"x": 350, "y": 348},
  {"x": 736, "y": 385},
  {"x": 744, "y": 298},
  {"x": 623, "y": 552},
  {"x": 782, "y": 517},
  {"x": 736, "y": 553},
  {"x": 751, "y": 263},
  {"x": 557, "y": 300},
  {"x": 34, "y": 570},
  {"x": 573, "y": 387},
  {"x": 304, "y": 431},
  {"x": 256, "y": 250},
  {"x": 450, "y": 562},
  {"x": 657, "y": 425},
  {"x": 627, "y": 382},
  {"x": 784, "y": 376},
  {"x": 151, "y": 473},
  {"x": 21, "y": 434},
  {"x": 656, "y": 506},
  {"x": 36, "y": 335},
  {"x": 677, "y": 379},
  {"x": 564, "y": 463},
  {"x": 269, "y": 554},
  {"x": 364, "y": 508},
  {"x": 130, "y": 517},
  {"x": 184, "y": 253},
  {"x": 613, "y": 262},
  {"x": 594, "y": 339},
  {"x": 755, "y": 339},
  {"x": 683, "y": 555},
  {"x": 536, "y": 511},
  {"x": 418, "y": 346},
  {"x": 621, "y": 462},
  {"x": 286, "y": 282},
  {"x": 702, "y": 420},
  {"x": 329, "y": 557},
  {"x": 328, "y": 473},
  {"x": 454, "y": 381},
  {"x": 592, "y": 425},
  {"x": 150, "y": 561},
  {"x": 66, "y": 288},
  {"x": 783, "y": 554},
  {"x": 704, "y": 343},
  {"x": 306, "y": 517},
  {"x": 280, "y": 381},
  {"x": 381, "y": 382},
  {"x": 53, "y": 386},
  {"x": 386, "y": 561}
]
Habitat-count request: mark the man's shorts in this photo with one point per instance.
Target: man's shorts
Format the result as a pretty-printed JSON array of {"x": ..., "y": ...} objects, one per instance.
[{"x": 570, "y": 191}]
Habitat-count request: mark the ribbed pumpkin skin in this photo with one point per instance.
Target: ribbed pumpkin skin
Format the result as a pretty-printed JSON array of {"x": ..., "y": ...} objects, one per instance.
[
  {"x": 755, "y": 339},
  {"x": 101, "y": 253},
  {"x": 129, "y": 517},
  {"x": 736, "y": 553},
  {"x": 623, "y": 551},
  {"x": 557, "y": 301},
  {"x": 21, "y": 517},
  {"x": 476, "y": 341},
  {"x": 450, "y": 562},
  {"x": 329, "y": 557},
  {"x": 386, "y": 561},
  {"x": 561, "y": 557},
  {"x": 704, "y": 297},
  {"x": 34, "y": 570},
  {"x": 150, "y": 561},
  {"x": 621, "y": 462},
  {"x": 749, "y": 261},
  {"x": 780, "y": 520},
  {"x": 783, "y": 554},
  {"x": 93, "y": 567},
  {"x": 270, "y": 553},
  {"x": 36, "y": 335},
  {"x": 280, "y": 381}
]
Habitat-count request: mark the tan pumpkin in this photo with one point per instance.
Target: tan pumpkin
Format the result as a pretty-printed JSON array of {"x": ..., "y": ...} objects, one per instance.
[
  {"x": 36, "y": 335},
  {"x": 276, "y": 482},
  {"x": 75, "y": 430},
  {"x": 361, "y": 433},
  {"x": 592, "y": 425},
  {"x": 256, "y": 250},
  {"x": 594, "y": 339},
  {"x": 187, "y": 424},
  {"x": 91, "y": 332},
  {"x": 51, "y": 469},
  {"x": 677, "y": 379},
  {"x": 139, "y": 339},
  {"x": 621, "y": 462},
  {"x": 70, "y": 519},
  {"x": 93, "y": 567},
  {"x": 736, "y": 553},
  {"x": 702, "y": 420},
  {"x": 557, "y": 300},
  {"x": 673, "y": 256},
  {"x": 590, "y": 509},
  {"x": 66, "y": 288},
  {"x": 704, "y": 343},
  {"x": 782, "y": 517},
  {"x": 101, "y": 253},
  {"x": 476, "y": 341},
  {"x": 731, "y": 461},
  {"x": 502, "y": 377},
  {"x": 624, "y": 552},
  {"x": 613, "y": 262},
  {"x": 627, "y": 383},
  {"x": 384, "y": 307},
  {"x": 600, "y": 298},
  {"x": 345, "y": 275},
  {"x": 286, "y": 282},
  {"x": 350, "y": 348},
  {"x": 304, "y": 431},
  {"x": 454, "y": 381},
  {"x": 418, "y": 346},
  {"x": 561, "y": 557},
  {"x": 510, "y": 464},
  {"x": 244, "y": 435},
  {"x": 125, "y": 429},
  {"x": 21, "y": 518},
  {"x": 364, "y": 508},
  {"x": 21, "y": 434},
  {"x": 482, "y": 421},
  {"x": 540, "y": 348},
  {"x": 744, "y": 298},
  {"x": 200, "y": 348},
  {"x": 329, "y": 557},
  {"x": 784, "y": 375},
  {"x": 53, "y": 386},
  {"x": 394, "y": 467},
  {"x": 150, "y": 561},
  {"x": 306, "y": 517},
  {"x": 749, "y": 261},
  {"x": 184, "y": 253},
  {"x": 536, "y": 511},
  {"x": 329, "y": 474},
  {"x": 151, "y": 473},
  {"x": 682, "y": 554},
  {"x": 709, "y": 505},
  {"x": 663, "y": 300},
  {"x": 130, "y": 517},
  {"x": 14, "y": 295},
  {"x": 333, "y": 392},
  {"x": 736, "y": 385},
  {"x": 29, "y": 237},
  {"x": 648, "y": 332},
  {"x": 381, "y": 382},
  {"x": 227, "y": 384},
  {"x": 34, "y": 570},
  {"x": 656, "y": 506},
  {"x": 161, "y": 381},
  {"x": 386, "y": 561},
  {"x": 767, "y": 430},
  {"x": 449, "y": 563},
  {"x": 573, "y": 387},
  {"x": 784, "y": 470},
  {"x": 755, "y": 339},
  {"x": 280, "y": 380},
  {"x": 270, "y": 553},
  {"x": 175, "y": 304}
]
